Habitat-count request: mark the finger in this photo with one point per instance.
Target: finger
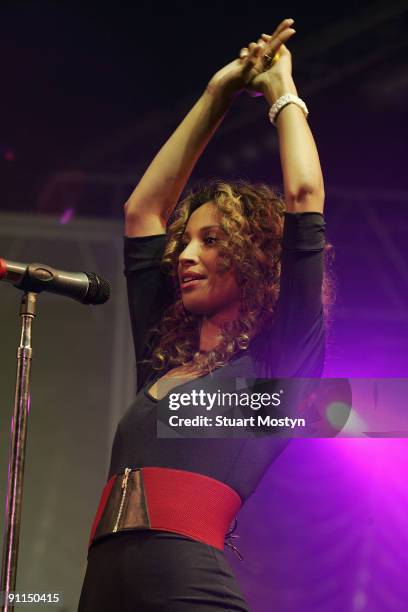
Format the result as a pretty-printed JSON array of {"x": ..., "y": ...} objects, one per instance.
[
  {"x": 250, "y": 54},
  {"x": 286, "y": 23},
  {"x": 254, "y": 50},
  {"x": 275, "y": 42},
  {"x": 282, "y": 35},
  {"x": 285, "y": 35}
]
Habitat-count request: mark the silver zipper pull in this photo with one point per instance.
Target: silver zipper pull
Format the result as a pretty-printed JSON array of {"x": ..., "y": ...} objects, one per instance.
[
  {"x": 125, "y": 477},
  {"x": 123, "y": 487}
]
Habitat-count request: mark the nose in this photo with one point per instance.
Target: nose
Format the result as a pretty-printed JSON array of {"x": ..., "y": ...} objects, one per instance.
[{"x": 189, "y": 253}]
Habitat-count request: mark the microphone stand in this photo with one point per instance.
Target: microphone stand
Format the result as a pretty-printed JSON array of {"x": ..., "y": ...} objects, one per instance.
[{"x": 17, "y": 453}]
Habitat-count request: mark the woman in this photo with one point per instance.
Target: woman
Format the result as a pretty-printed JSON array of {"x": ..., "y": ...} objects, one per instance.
[{"x": 204, "y": 303}]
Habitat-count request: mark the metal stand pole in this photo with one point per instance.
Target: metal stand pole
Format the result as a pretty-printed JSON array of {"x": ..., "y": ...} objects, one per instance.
[{"x": 17, "y": 453}]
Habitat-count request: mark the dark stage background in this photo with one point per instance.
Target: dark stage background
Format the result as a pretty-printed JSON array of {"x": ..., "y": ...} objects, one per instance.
[{"x": 89, "y": 93}]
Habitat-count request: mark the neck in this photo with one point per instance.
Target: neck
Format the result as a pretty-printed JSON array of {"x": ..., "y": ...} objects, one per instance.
[{"x": 210, "y": 332}]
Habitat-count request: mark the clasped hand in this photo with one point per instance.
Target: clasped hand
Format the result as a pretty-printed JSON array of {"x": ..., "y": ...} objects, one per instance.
[{"x": 253, "y": 69}]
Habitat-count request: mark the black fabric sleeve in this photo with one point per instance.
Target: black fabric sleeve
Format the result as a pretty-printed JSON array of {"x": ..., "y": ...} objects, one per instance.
[
  {"x": 294, "y": 345},
  {"x": 150, "y": 292}
]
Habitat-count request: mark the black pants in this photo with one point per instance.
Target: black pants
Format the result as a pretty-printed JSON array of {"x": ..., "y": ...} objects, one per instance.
[{"x": 154, "y": 571}]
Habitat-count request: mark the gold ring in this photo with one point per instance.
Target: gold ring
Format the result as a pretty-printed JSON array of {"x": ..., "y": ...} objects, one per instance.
[
  {"x": 275, "y": 58},
  {"x": 272, "y": 60}
]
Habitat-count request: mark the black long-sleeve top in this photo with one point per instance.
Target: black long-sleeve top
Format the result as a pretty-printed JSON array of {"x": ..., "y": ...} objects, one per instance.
[{"x": 293, "y": 346}]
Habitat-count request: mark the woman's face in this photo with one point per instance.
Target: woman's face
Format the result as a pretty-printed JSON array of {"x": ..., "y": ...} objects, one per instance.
[{"x": 212, "y": 292}]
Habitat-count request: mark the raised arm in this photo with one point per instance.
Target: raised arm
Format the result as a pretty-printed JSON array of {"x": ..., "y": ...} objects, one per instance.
[
  {"x": 157, "y": 193},
  {"x": 302, "y": 174}
]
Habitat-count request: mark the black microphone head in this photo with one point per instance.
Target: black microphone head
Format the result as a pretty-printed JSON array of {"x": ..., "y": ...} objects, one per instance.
[{"x": 98, "y": 291}]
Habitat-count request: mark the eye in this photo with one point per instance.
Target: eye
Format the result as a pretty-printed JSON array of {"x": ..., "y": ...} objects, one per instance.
[{"x": 209, "y": 240}]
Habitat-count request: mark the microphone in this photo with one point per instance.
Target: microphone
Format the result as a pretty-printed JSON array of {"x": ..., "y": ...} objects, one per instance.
[{"x": 87, "y": 288}]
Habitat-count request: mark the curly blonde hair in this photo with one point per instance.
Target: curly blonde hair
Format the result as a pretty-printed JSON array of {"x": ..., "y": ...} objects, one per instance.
[{"x": 252, "y": 217}]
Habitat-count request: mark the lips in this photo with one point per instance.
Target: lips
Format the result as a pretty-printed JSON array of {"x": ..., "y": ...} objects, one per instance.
[{"x": 190, "y": 279}]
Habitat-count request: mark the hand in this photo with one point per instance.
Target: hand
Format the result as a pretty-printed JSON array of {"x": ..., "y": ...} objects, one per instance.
[
  {"x": 266, "y": 72},
  {"x": 235, "y": 76},
  {"x": 240, "y": 73},
  {"x": 278, "y": 72}
]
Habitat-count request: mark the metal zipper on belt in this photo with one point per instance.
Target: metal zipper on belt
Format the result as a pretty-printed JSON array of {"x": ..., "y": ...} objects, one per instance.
[{"x": 122, "y": 501}]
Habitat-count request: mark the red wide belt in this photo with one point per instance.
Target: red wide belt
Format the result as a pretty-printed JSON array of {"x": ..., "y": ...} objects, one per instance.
[{"x": 169, "y": 500}]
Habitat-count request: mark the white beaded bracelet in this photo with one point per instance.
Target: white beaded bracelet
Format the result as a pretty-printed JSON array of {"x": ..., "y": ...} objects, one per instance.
[{"x": 284, "y": 101}]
